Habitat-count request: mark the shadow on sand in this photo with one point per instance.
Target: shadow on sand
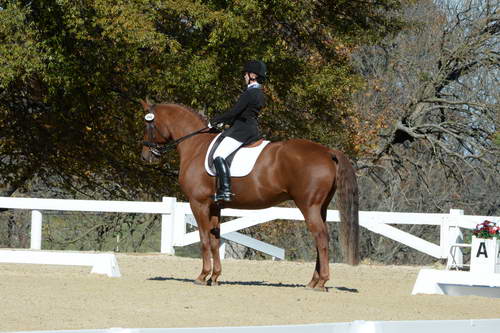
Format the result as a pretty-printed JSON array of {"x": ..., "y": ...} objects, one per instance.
[{"x": 252, "y": 283}]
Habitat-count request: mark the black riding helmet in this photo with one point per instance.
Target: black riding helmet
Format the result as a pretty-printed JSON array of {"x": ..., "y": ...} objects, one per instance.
[{"x": 257, "y": 67}]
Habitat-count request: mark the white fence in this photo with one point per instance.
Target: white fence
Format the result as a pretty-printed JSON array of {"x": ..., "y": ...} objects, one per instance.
[
  {"x": 358, "y": 326},
  {"x": 177, "y": 215}
]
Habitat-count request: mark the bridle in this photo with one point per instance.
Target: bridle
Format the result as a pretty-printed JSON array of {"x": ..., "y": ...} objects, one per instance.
[{"x": 159, "y": 149}]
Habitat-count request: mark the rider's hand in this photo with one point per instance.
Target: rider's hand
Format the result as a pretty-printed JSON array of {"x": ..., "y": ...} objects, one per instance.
[{"x": 213, "y": 124}]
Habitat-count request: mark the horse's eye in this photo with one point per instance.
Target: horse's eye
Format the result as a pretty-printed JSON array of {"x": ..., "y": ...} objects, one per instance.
[{"x": 149, "y": 117}]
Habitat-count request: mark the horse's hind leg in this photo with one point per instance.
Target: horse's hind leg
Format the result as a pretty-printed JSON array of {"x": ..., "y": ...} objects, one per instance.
[
  {"x": 315, "y": 279},
  {"x": 317, "y": 226}
]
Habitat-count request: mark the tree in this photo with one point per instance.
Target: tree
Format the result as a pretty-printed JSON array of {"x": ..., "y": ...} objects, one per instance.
[
  {"x": 72, "y": 73},
  {"x": 433, "y": 95},
  {"x": 429, "y": 117}
]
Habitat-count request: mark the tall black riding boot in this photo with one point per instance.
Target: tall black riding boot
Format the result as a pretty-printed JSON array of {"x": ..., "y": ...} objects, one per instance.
[{"x": 223, "y": 180}]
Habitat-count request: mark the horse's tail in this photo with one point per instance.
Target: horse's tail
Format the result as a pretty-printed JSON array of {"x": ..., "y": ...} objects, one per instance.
[{"x": 348, "y": 205}]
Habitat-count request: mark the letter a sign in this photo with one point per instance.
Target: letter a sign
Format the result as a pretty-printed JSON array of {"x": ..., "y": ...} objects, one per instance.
[
  {"x": 481, "y": 251},
  {"x": 485, "y": 255}
]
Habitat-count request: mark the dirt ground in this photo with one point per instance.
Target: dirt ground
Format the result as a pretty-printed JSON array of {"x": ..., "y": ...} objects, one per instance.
[{"x": 158, "y": 291}]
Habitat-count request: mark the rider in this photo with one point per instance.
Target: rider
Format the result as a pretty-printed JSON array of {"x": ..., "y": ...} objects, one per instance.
[{"x": 242, "y": 118}]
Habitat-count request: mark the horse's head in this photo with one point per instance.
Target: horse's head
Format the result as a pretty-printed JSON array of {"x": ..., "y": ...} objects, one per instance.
[{"x": 155, "y": 133}]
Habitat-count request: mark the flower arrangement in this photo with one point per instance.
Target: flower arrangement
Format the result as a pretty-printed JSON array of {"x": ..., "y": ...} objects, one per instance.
[{"x": 487, "y": 230}]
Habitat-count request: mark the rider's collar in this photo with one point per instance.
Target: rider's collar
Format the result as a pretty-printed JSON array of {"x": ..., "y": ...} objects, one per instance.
[{"x": 254, "y": 85}]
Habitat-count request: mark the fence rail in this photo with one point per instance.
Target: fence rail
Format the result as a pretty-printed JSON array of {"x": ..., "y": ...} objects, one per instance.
[
  {"x": 177, "y": 215},
  {"x": 358, "y": 326}
]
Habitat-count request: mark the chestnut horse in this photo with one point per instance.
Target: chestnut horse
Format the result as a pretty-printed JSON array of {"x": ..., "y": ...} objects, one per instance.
[{"x": 299, "y": 170}]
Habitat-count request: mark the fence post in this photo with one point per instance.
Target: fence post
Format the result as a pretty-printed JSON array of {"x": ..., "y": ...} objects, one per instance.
[
  {"x": 222, "y": 249},
  {"x": 167, "y": 226},
  {"x": 455, "y": 236},
  {"x": 179, "y": 220},
  {"x": 36, "y": 230}
]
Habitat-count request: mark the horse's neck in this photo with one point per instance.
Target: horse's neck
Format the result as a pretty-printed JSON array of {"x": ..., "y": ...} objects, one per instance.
[
  {"x": 180, "y": 130},
  {"x": 182, "y": 122},
  {"x": 186, "y": 124}
]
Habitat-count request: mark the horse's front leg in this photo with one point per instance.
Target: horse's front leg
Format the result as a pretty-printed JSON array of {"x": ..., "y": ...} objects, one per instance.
[
  {"x": 201, "y": 214},
  {"x": 208, "y": 224},
  {"x": 205, "y": 255},
  {"x": 215, "y": 244}
]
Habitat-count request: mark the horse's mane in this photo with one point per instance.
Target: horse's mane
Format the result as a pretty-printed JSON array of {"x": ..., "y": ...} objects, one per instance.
[{"x": 201, "y": 115}]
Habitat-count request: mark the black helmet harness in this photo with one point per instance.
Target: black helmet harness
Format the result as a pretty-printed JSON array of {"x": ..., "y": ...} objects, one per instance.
[{"x": 257, "y": 67}]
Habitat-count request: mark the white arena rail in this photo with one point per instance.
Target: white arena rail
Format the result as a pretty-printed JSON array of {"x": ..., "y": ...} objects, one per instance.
[
  {"x": 177, "y": 215},
  {"x": 358, "y": 326}
]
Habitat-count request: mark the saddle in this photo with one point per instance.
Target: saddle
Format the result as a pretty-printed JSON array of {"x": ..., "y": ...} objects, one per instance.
[{"x": 241, "y": 161}]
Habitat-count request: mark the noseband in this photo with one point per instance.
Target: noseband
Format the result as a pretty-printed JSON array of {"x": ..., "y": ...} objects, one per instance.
[{"x": 158, "y": 149}]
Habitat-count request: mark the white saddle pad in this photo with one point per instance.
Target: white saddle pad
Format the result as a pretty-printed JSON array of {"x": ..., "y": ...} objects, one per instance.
[{"x": 243, "y": 160}]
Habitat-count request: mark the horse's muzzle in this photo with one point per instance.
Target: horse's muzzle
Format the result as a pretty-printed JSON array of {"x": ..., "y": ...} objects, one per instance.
[{"x": 149, "y": 156}]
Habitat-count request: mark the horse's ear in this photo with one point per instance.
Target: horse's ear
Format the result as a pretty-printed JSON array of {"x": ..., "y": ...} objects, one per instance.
[{"x": 145, "y": 105}]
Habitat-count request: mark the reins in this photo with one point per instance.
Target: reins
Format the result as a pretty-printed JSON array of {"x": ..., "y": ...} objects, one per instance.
[{"x": 158, "y": 149}]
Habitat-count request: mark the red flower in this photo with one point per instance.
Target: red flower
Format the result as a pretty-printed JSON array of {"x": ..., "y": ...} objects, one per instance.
[{"x": 487, "y": 229}]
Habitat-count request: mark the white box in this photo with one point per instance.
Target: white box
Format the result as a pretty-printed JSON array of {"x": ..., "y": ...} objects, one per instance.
[{"x": 485, "y": 255}]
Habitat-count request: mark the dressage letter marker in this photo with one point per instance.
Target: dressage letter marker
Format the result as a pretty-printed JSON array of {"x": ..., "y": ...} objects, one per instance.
[
  {"x": 482, "y": 250},
  {"x": 485, "y": 256}
]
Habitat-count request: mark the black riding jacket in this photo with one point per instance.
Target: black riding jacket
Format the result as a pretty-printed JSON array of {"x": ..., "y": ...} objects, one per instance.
[{"x": 243, "y": 116}]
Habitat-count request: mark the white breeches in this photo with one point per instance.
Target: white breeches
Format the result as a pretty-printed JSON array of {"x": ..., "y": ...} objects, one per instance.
[{"x": 226, "y": 147}]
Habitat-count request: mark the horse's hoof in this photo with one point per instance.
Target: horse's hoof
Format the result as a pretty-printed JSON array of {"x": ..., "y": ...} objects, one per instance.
[
  {"x": 213, "y": 283},
  {"x": 322, "y": 289},
  {"x": 311, "y": 285},
  {"x": 200, "y": 282}
]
